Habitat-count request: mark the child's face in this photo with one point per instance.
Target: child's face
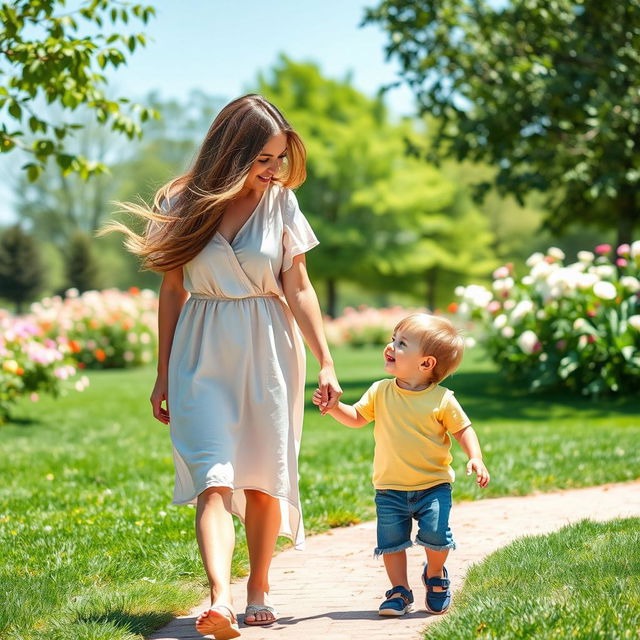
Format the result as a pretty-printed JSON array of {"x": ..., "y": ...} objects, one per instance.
[{"x": 403, "y": 356}]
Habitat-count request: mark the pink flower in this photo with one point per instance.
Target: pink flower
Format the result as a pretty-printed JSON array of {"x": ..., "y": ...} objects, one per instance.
[
  {"x": 621, "y": 262},
  {"x": 603, "y": 249},
  {"x": 493, "y": 306},
  {"x": 34, "y": 397},
  {"x": 624, "y": 249}
]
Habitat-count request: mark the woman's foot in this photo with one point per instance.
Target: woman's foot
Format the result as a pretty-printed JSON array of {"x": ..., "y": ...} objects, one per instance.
[
  {"x": 259, "y": 609},
  {"x": 218, "y": 621}
]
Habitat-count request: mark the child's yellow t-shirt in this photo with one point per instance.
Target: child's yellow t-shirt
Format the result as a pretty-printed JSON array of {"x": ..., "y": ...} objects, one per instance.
[{"x": 411, "y": 431}]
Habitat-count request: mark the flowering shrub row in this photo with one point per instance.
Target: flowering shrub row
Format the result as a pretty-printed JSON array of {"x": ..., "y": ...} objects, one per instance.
[
  {"x": 574, "y": 326},
  {"x": 32, "y": 363},
  {"x": 364, "y": 326},
  {"x": 104, "y": 329}
]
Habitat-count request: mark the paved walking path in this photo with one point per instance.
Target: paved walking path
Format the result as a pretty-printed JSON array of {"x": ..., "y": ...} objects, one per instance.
[{"x": 332, "y": 590}]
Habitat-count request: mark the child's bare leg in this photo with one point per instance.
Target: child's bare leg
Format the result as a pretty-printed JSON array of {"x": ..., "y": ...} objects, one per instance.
[
  {"x": 435, "y": 563},
  {"x": 396, "y": 566}
]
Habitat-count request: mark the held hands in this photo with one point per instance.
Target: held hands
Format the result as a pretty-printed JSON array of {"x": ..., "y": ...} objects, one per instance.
[
  {"x": 328, "y": 392},
  {"x": 158, "y": 396},
  {"x": 482, "y": 475}
]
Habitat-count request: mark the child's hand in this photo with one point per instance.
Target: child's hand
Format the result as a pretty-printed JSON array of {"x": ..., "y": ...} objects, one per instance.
[
  {"x": 317, "y": 400},
  {"x": 482, "y": 475}
]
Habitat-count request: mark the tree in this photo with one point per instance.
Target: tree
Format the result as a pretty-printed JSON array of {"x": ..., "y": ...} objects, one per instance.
[
  {"x": 22, "y": 275},
  {"x": 374, "y": 208},
  {"x": 81, "y": 265},
  {"x": 545, "y": 92},
  {"x": 46, "y": 57}
]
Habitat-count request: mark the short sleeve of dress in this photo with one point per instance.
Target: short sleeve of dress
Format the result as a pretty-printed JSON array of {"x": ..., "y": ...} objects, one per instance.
[
  {"x": 452, "y": 415},
  {"x": 366, "y": 406},
  {"x": 298, "y": 235}
]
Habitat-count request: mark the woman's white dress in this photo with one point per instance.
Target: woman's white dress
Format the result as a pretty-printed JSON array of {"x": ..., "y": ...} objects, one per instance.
[{"x": 237, "y": 365}]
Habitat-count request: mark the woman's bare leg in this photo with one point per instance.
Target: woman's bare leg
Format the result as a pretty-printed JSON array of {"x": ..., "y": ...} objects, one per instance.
[
  {"x": 216, "y": 539},
  {"x": 262, "y": 523}
]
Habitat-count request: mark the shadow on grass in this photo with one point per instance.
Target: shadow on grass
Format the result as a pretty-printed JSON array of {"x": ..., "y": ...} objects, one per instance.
[
  {"x": 486, "y": 395},
  {"x": 140, "y": 623}
]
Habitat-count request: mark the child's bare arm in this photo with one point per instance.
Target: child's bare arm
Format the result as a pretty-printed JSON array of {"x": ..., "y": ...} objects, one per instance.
[
  {"x": 469, "y": 443},
  {"x": 344, "y": 413}
]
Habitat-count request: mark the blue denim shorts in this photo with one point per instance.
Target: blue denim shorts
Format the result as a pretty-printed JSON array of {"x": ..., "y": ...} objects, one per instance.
[{"x": 396, "y": 511}]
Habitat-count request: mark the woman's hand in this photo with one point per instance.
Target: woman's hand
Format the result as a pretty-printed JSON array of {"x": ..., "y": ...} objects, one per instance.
[
  {"x": 330, "y": 390},
  {"x": 159, "y": 395}
]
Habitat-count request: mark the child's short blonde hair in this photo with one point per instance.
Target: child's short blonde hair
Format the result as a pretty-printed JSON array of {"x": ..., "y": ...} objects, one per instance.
[{"x": 438, "y": 338}]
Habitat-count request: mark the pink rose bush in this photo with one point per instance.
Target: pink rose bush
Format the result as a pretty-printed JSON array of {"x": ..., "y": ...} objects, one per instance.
[
  {"x": 33, "y": 363},
  {"x": 573, "y": 326},
  {"x": 364, "y": 325},
  {"x": 105, "y": 329}
]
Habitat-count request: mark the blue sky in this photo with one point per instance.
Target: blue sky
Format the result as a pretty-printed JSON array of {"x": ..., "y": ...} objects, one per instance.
[{"x": 220, "y": 45}]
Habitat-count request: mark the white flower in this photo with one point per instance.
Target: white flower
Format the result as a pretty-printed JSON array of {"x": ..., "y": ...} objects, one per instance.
[
  {"x": 634, "y": 321},
  {"x": 500, "y": 321},
  {"x": 523, "y": 308},
  {"x": 578, "y": 324},
  {"x": 585, "y": 256},
  {"x": 505, "y": 284},
  {"x": 508, "y": 333},
  {"x": 509, "y": 304},
  {"x": 604, "y": 271},
  {"x": 587, "y": 280},
  {"x": 543, "y": 357},
  {"x": 459, "y": 291},
  {"x": 469, "y": 342},
  {"x": 635, "y": 249},
  {"x": 527, "y": 281},
  {"x": 541, "y": 270},
  {"x": 604, "y": 290},
  {"x": 534, "y": 259},
  {"x": 554, "y": 252},
  {"x": 541, "y": 314},
  {"x": 501, "y": 272},
  {"x": 527, "y": 341},
  {"x": 630, "y": 283}
]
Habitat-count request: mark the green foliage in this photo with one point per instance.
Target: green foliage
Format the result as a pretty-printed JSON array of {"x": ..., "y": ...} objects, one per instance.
[
  {"x": 53, "y": 54},
  {"x": 22, "y": 274},
  {"x": 546, "y": 93},
  {"x": 554, "y": 587},
  {"x": 383, "y": 217},
  {"x": 81, "y": 267}
]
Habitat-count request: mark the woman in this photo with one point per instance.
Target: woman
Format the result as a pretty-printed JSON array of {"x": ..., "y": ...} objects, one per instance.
[{"x": 230, "y": 240}]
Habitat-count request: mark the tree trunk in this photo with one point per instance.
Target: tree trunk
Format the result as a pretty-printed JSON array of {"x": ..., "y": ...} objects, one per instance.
[
  {"x": 332, "y": 297},
  {"x": 628, "y": 215},
  {"x": 431, "y": 279}
]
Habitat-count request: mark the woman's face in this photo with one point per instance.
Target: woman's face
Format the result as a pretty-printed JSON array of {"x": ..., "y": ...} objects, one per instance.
[{"x": 267, "y": 164}]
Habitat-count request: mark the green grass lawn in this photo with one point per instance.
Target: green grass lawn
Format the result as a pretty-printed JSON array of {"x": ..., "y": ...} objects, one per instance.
[
  {"x": 92, "y": 549},
  {"x": 580, "y": 582}
]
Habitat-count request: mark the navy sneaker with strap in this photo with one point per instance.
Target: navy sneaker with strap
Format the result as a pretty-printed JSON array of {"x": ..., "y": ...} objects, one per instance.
[
  {"x": 399, "y": 605},
  {"x": 437, "y": 602}
]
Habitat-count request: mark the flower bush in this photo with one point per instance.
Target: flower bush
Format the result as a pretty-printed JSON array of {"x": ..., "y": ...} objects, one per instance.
[
  {"x": 364, "y": 325},
  {"x": 104, "y": 329},
  {"x": 575, "y": 326},
  {"x": 32, "y": 363}
]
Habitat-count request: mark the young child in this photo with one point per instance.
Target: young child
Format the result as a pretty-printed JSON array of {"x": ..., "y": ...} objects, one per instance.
[{"x": 412, "y": 475}]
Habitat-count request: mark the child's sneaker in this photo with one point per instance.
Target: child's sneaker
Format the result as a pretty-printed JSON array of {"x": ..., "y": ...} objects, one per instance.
[
  {"x": 437, "y": 602},
  {"x": 397, "y": 606}
]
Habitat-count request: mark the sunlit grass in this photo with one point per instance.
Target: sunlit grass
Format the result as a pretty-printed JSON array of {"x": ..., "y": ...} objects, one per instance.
[{"x": 580, "y": 582}]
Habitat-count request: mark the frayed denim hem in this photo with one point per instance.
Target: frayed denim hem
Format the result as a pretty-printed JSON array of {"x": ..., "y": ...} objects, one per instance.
[
  {"x": 377, "y": 552},
  {"x": 436, "y": 547}
]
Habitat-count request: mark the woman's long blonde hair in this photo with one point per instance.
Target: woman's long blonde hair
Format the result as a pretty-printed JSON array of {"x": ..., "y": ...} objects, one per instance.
[{"x": 175, "y": 234}]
